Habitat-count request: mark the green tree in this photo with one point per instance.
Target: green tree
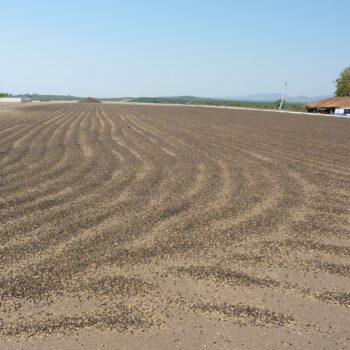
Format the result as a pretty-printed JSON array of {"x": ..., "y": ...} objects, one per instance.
[
  {"x": 2, "y": 94},
  {"x": 277, "y": 103},
  {"x": 343, "y": 83}
]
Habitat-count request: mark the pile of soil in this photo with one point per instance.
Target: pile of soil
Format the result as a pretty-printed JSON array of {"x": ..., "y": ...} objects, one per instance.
[{"x": 90, "y": 100}]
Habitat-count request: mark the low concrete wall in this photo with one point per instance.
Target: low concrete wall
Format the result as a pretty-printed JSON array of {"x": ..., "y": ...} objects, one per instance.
[
  {"x": 14, "y": 99},
  {"x": 10, "y": 99}
]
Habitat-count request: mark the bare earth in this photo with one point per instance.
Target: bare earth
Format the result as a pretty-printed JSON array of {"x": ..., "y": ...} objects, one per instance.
[{"x": 158, "y": 227}]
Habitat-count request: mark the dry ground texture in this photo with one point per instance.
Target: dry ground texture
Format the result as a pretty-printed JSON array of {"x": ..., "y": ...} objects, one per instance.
[{"x": 173, "y": 227}]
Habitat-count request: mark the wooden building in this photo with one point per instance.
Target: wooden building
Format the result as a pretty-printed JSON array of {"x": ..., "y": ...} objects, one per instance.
[{"x": 332, "y": 105}]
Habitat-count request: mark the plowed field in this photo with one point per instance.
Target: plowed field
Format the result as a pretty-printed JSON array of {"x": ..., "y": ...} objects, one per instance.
[{"x": 125, "y": 226}]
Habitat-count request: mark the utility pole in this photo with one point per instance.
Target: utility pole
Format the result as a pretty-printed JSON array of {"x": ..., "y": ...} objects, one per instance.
[{"x": 283, "y": 96}]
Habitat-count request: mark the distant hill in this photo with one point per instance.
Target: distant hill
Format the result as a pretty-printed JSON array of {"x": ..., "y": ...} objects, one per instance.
[
  {"x": 261, "y": 97},
  {"x": 55, "y": 98},
  {"x": 116, "y": 99},
  {"x": 270, "y": 97},
  {"x": 261, "y": 101},
  {"x": 168, "y": 99}
]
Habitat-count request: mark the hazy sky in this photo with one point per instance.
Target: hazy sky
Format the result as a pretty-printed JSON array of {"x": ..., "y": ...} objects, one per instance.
[{"x": 173, "y": 47}]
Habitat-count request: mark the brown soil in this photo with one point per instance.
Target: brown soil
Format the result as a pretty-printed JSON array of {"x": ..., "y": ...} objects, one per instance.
[{"x": 130, "y": 226}]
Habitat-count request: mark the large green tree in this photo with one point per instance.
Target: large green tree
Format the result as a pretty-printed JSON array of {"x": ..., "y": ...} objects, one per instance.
[{"x": 343, "y": 83}]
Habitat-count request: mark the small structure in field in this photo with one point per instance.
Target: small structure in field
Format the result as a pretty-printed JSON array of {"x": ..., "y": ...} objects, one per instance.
[
  {"x": 332, "y": 105},
  {"x": 90, "y": 100},
  {"x": 9, "y": 99}
]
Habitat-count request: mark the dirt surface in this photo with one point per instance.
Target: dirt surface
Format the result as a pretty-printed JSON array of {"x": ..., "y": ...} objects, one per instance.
[
  {"x": 10, "y": 105},
  {"x": 153, "y": 227}
]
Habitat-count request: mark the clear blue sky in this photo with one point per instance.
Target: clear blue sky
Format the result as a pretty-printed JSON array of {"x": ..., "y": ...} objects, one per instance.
[{"x": 173, "y": 47}]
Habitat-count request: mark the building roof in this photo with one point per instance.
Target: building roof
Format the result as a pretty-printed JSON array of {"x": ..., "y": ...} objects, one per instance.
[{"x": 331, "y": 102}]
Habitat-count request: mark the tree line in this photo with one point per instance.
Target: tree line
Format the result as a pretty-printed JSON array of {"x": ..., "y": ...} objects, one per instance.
[{"x": 343, "y": 83}]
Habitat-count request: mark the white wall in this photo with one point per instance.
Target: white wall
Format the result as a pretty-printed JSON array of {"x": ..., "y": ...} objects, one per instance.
[
  {"x": 26, "y": 99},
  {"x": 15, "y": 99}
]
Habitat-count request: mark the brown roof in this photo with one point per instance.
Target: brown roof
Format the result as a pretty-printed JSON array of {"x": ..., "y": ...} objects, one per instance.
[{"x": 331, "y": 102}]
